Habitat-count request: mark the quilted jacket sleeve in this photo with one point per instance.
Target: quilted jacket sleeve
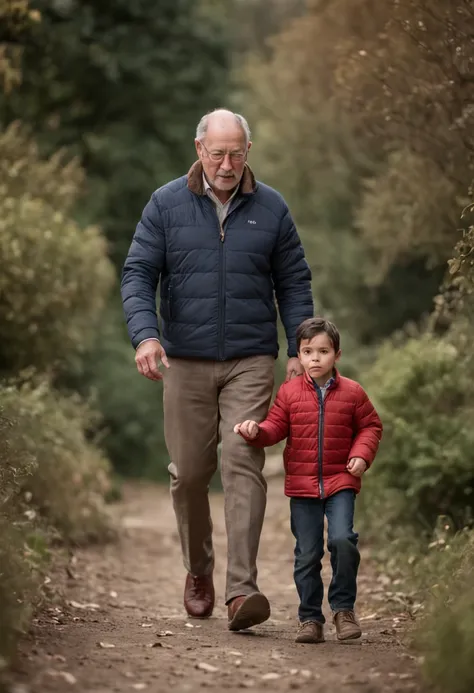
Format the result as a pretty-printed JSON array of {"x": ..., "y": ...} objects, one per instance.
[
  {"x": 368, "y": 430},
  {"x": 292, "y": 280},
  {"x": 276, "y": 426},
  {"x": 141, "y": 273}
]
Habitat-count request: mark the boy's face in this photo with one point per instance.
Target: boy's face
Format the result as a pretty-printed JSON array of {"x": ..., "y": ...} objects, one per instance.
[{"x": 317, "y": 356}]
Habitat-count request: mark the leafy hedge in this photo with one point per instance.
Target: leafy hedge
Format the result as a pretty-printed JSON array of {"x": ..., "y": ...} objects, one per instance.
[
  {"x": 55, "y": 280},
  {"x": 52, "y": 487},
  {"x": 423, "y": 391},
  {"x": 55, "y": 277}
]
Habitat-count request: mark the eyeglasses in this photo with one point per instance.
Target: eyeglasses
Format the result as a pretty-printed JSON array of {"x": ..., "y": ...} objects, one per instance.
[{"x": 219, "y": 156}]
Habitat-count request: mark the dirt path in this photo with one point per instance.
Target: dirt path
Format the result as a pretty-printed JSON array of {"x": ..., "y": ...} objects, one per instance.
[{"x": 128, "y": 595}]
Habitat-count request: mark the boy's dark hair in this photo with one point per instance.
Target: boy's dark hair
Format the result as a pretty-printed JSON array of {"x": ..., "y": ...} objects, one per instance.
[{"x": 313, "y": 326}]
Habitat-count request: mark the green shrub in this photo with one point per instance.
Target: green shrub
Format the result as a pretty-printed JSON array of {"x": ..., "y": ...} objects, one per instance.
[
  {"x": 20, "y": 581},
  {"x": 55, "y": 277},
  {"x": 445, "y": 636},
  {"x": 52, "y": 487},
  {"x": 423, "y": 392},
  {"x": 19, "y": 574},
  {"x": 67, "y": 485}
]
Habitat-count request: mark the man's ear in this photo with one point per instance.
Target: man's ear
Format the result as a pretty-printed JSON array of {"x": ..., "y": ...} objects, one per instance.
[
  {"x": 249, "y": 146},
  {"x": 198, "y": 146}
]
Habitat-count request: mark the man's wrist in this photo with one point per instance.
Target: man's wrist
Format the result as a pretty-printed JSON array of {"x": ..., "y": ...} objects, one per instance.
[{"x": 148, "y": 339}]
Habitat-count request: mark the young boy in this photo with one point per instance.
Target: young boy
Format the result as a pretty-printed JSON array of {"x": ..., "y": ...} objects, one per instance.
[{"x": 333, "y": 433}]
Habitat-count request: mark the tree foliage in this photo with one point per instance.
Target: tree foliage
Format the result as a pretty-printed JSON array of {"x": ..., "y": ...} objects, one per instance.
[
  {"x": 15, "y": 19},
  {"x": 122, "y": 85},
  {"x": 405, "y": 73},
  {"x": 55, "y": 277},
  {"x": 339, "y": 183}
]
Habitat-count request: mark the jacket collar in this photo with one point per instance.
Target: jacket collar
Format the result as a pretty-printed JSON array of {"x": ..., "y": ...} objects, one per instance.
[
  {"x": 309, "y": 381},
  {"x": 248, "y": 184}
]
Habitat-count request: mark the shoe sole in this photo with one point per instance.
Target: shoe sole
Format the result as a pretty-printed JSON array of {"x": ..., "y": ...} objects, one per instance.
[
  {"x": 310, "y": 641},
  {"x": 254, "y": 609},
  {"x": 352, "y": 636},
  {"x": 204, "y": 617}
]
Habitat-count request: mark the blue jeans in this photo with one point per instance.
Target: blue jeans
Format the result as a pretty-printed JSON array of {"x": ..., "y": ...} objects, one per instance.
[{"x": 307, "y": 525}]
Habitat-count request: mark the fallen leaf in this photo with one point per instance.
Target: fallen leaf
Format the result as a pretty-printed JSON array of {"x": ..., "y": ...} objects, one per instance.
[
  {"x": 306, "y": 673},
  {"x": 147, "y": 625},
  {"x": 235, "y": 653},
  {"x": 164, "y": 633},
  {"x": 275, "y": 655},
  {"x": 106, "y": 645},
  {"x": 207, "y": 667},
  {"x": 113, "y": 594},
  {"x": 161, "y": 644},
  {"x": 139, "y": 686},
  {"x": 69, "y": 678},
  {"x": 89, "y": 606},
  {"x": 189, "y": 625},
  {"x": 19, "y": 688},
  {"x": 271, "y": 676}
]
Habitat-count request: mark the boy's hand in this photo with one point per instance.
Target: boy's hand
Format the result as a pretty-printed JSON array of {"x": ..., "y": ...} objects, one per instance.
[
  {"x": 249, "y": 429},
  {"x": 356, "y": 466}
]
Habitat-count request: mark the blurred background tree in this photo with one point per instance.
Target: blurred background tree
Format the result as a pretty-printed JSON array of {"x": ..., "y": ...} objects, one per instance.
[{"x": 122, "y": 86}]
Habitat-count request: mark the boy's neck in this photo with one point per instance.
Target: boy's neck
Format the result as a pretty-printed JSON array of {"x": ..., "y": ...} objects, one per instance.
[{"x": 323, "y": 380}]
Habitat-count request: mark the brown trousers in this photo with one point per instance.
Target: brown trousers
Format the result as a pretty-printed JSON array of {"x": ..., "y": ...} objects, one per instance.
[{"x": 203, "y": 400}]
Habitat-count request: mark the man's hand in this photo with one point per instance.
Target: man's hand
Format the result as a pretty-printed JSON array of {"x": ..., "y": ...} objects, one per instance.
[
  {"x": 356, "y": 466},
  {"x": 147, "y": 357},
  {"x": 249, "y": 429},
  {"x": 293, "y": 368}
]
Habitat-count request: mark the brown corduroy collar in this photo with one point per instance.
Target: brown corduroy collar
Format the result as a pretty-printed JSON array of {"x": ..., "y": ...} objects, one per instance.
[{"x": 248, "y": 183}]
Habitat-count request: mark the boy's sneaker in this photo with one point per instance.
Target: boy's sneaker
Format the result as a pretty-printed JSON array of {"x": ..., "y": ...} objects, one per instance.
[
  {"x": 310, "y": 631},
  {"x": 347, "y": 625}
]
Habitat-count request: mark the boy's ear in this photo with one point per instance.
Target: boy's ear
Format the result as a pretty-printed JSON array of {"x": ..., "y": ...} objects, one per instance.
[{"x": 338, "y": 355}]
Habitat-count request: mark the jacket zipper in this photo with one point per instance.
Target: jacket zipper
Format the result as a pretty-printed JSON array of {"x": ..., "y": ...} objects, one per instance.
[
  {"x": 320, "y": 441},
  {"x": 170, "y": 303},
  {"x": 222, "y": 301},
  {"x": 221, "y": 331}
]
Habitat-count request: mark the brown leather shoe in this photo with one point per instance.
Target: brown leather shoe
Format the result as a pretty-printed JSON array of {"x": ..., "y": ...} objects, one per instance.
[
  {"x": 347, "y": 625},
  {"x": 310, "y": 631},
  {"x": 199, "y": 595},
  {"x": 247, "y": 611}
]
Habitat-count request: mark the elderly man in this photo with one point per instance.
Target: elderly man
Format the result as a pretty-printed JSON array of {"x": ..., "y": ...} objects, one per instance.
[{"x": 223, "y": 246}]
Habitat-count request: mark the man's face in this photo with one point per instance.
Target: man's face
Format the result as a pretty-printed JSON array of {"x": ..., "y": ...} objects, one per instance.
[{"x": 223, "y": 153}]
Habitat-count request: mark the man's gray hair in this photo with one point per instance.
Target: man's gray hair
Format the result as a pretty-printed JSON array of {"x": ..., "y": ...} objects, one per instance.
[{"x": 203, "y": 124}]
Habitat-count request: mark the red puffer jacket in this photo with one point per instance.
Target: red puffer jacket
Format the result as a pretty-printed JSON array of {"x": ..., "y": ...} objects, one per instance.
[{"x": 323, "y": 434}]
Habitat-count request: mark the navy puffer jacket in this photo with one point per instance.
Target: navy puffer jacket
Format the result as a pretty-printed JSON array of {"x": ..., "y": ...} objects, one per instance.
[{"x": 217, "y": 297}]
